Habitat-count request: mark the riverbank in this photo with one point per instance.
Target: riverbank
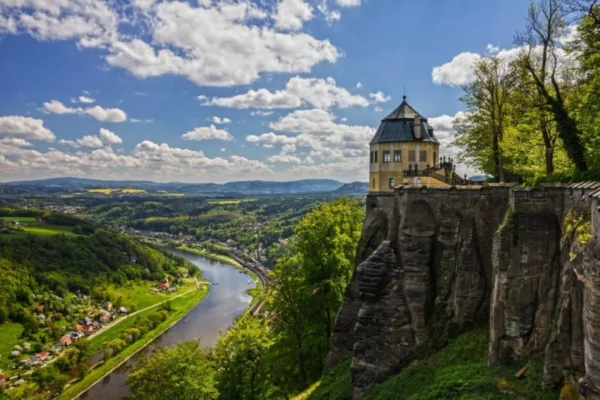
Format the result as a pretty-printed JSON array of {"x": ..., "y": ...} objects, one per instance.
[
  {"x": 223, "y": 259},
  {"x": 180, "y": 307}
]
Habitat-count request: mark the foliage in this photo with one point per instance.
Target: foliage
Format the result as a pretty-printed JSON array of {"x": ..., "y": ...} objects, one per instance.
[{"x": 183, "y": 373}]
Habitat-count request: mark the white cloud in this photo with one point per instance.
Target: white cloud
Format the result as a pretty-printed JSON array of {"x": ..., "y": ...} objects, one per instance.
[
  {"x": 90, "y": 141},
  {"x": 492, "y": 49},
  {"x": 285, "y": 158},
  {"x": 261, "y": 98},
  {"x": 379, "y": 97},
  {"x": 269, "y": 139},
  {"x": 319, "y": 93},
  {"x": 217, "y": 45},
  {"x": 223, "y": 149},
  {"x": 207, "y": 133},
  {"x": 359, "y": 85},
  {"x": 87, "y": 100},
  {"x": 261, "y": 113},
  {"x": 220, "y": 121},
  {"x": 457, "y": 72},
  {"x": 140, "y": 121},
  {"x": 291, "y": 14},
  {"x": 106, "y": 114},
  {"x": 348, "y": 3},
  {"x": 97, "y": 112},
  {"x": 16, "y": 142},
  {"x": 14, "y": 126},
  {"x": 109, "y": 137}
]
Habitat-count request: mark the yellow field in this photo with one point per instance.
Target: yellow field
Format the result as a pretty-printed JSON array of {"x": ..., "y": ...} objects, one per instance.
[
  {"x": 110, "y": 191},
  {"x": 227, "y": 202}
]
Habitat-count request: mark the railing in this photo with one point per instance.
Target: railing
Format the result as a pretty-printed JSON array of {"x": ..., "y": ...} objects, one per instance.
[{"x": 453, "y": 179}]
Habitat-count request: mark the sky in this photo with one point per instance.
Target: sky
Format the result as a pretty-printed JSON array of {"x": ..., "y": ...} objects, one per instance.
[{"x": 229, "y": 90}]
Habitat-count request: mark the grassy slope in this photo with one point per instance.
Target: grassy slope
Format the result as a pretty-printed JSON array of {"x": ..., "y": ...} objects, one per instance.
[
  {"x": 458, "y": 371},
  {"x": 39, "y": 229},
  {"x": 139, "y": 295},
  {"x": 181, "y": 306},
  {"x": 9, "y": 337}
]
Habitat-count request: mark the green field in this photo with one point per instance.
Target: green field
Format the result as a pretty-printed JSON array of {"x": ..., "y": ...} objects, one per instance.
[
  {"x": 181, "y": 306},
  {"x": 137, "y": 296},
  {"x": 20, "y": 219},
  {"x": 9, "y": 337},
  {"x": 39, "y": 229},
  {"x": 229, "y": 201}
]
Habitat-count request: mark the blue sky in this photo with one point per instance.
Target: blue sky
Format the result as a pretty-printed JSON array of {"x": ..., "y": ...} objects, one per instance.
[{"x": 222, "y": 90}]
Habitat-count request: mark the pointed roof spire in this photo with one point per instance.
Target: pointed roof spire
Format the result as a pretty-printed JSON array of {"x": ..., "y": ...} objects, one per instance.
[{"x": 404, "y": 111}]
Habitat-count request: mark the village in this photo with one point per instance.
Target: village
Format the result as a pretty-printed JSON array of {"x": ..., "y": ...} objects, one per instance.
[{"x": 83, "y": 318}]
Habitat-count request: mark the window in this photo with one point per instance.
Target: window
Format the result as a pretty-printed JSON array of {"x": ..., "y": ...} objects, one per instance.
[
  {"x": 386, "y": 156},
  {"x": 373, "y": 183},
  {"x": 375, "y": 156},
  {"x": 397, "y": 155},
  {"x": 412, "y": 156},
  {"x": 423, "y": 156},
  {"x": 371, "y": 157},
  {"x": 391, "y": 182},
  {"x": 435, "y": 160}
]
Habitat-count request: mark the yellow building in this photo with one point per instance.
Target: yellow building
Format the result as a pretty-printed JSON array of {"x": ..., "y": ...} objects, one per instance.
[{"x": 405, "y": 151}]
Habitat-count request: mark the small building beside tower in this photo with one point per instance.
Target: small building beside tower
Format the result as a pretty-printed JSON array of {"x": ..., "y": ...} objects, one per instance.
[{"x": 405, "y": 150}]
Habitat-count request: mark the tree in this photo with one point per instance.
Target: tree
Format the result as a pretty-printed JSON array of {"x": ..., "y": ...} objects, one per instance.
[
  {"x": 326, "y": 247},
  {"x": 180, "y": 373},
  {"x": 240, "y": 359},
  {"x": 543, "y": 57},
  {"x": 487, "y": 100}
]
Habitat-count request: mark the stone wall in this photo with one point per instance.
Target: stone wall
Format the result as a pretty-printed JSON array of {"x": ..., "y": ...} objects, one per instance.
[{"x": 432, "y": 262}]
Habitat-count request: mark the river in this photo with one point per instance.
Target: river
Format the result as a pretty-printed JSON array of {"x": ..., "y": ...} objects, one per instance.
[{"x": 216, "y": 312}]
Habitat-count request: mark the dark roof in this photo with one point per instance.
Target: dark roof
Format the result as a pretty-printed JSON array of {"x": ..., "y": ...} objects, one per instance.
[{"x": 399, "y": 127}]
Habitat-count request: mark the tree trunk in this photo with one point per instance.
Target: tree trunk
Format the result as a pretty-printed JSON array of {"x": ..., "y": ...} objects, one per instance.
[
  {"x": 498, "y": 159},
  {"x": 549, "y": 160}
]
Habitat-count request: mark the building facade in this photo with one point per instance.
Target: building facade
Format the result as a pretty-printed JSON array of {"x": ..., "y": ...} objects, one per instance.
[{"x": 405, "y": 150}]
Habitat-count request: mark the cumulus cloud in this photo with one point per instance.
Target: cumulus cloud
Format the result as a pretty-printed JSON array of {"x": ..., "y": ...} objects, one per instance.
[
  {"x": 291, "y": 14},
  {"x": 379, "y": 97},
  {"x": 16, "y": 142},
  {"x": 318, "y": 93},
  {"x": 97, "y": 112},
  {"x": 208, "y": 42},
  {"x": 207, "y": 133},
  {"x": 14, "y": 126},
  {"x": 220, "y": 121},
  {"x": 457, "y": 72},
  {"x": 86, "y": 100},
  {"x": 261, "y": 113},
  {"x": 109, "y": 138},
  {"x": 269, "y": 139}
]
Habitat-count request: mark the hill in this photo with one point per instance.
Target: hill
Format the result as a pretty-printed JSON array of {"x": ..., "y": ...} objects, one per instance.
[
  {"x": 352, "y": 189},
  {"x": 68, "y": 184}
]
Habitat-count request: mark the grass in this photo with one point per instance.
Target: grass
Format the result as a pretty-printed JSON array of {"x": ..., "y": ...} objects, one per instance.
[
  {"x": 39, "y": 229},
  {"x": 136, "y": 296},
  {"x": 20, "y": 219},
  {"x": 459, "y": 371},
  {"x": 9, "y": 337},
  {"x": 181, "y": 306}
]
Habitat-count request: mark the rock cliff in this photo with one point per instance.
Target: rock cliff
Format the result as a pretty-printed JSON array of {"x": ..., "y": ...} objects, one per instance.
[{"x": 433, "y": 262}]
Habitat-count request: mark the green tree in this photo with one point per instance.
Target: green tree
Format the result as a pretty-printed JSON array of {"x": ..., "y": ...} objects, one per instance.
[
  {"x": 240, "y": 357},
  {"x": 180, "y": 373}
]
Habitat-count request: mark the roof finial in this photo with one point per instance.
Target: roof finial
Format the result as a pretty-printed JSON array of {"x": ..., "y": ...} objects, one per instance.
[{"x": 404, "y": 96}]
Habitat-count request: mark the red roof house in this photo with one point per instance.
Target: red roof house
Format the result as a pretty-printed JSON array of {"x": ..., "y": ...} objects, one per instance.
[
  {"x": 43, "y": 356},
  {"x": 162, "y": 286},
  {"x": 65, "y": 340}
]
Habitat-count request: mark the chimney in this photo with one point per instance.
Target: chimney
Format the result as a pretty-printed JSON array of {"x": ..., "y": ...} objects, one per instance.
[{"x": 417, "y": 127}]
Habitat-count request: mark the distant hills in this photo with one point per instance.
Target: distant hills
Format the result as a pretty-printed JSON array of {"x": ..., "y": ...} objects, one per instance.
[{"x": 69, "y": 184}]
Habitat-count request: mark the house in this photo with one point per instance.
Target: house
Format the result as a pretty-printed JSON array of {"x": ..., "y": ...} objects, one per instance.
[
  {"x": 162, "y": 286},
  {"x": 105, "y": 318},
  {"x": 26, "y": 346},
  {"x": 40, "y": 308},
  {"x": 31, "y": 362},
  {"x": 56, "y": 349},
  {"x": 4, "y": 379},
  {"x": 43, "y": 356},
  {"x": 65, "y": 340},
  {"x": 41, "y": 318},
  {"x": 122, "y": 310},
  {"x": 85, "y": 321},
  {"x": 283, "y": 241},
  {"x": 14, "y": 354},
  {"x": 76, "y": 335},
  {"x": 88, "y": 328},
  {"x": 18, "y": 348},
  {"x": 78, "y": 328},
  {"x": 96, "y": 324},
  {"x": 107, "y": 305}
]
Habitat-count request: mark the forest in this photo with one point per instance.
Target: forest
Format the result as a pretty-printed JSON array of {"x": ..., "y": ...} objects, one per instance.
[{"x": 531, "y": 113}]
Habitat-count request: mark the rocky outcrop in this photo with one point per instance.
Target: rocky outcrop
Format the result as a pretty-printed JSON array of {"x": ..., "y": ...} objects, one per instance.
[{"x": 432, "y": 262}]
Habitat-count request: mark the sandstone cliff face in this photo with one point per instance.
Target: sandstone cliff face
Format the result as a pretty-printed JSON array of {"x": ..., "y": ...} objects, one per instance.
[{"x": 431, "y": 262}]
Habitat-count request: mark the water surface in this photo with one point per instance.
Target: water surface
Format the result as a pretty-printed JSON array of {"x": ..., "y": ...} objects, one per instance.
[{"x": 216, "y": 312}]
